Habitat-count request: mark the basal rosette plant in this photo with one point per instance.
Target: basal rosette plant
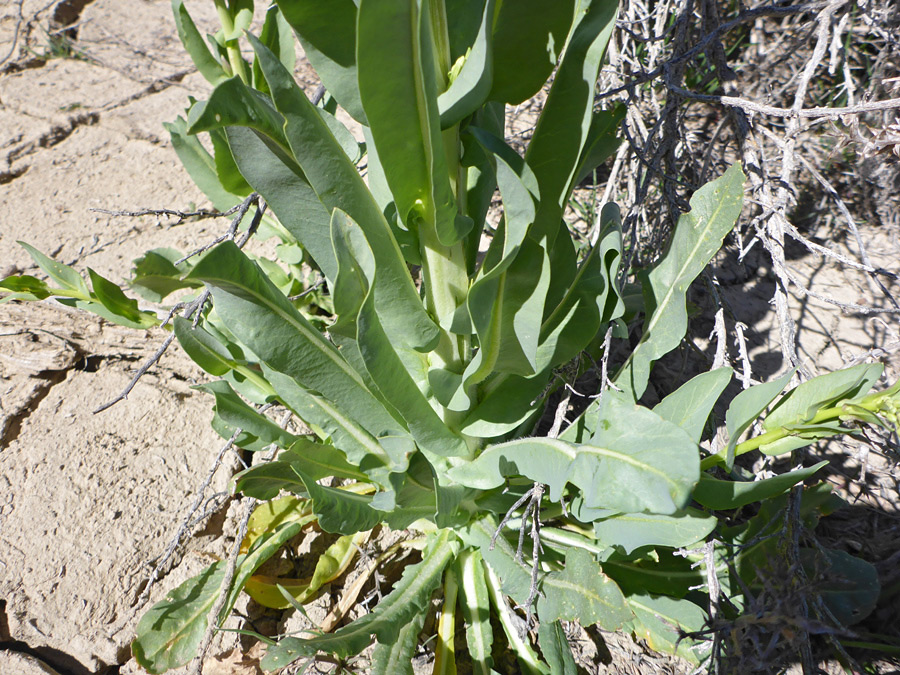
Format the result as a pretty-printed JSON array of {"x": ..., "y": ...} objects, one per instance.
[{"x": 426, "y": 368}]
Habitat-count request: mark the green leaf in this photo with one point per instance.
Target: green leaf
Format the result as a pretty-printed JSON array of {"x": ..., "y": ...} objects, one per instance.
[
  {"x": 506, "y": 306},
  {"x": 195, "y": 45},
  {"x": 232, "y": 410},
  {"x": 848, "y": 585},
  {"x": 373, "y": 455},
  {"x": 155, "y": 274},
  {"x": 169, "y": 633},
  {"x": 582, "y": 592},
  {"x": 634, "y": 530},
  {"x": 340, "y": 511},
  {"x": 264, "y": 319},
  {"x": 200, "y": 165},
  {"x": 226, "y": 169},
  {"x": 801, "y": 403},
  {"x": 277, "y": 35},
  {"x": 339, "y": 186},
  {"x": 698, "y": 236},
  {"x": 529, "y": 36},
  {"x": 476, "y": 610},
  {"x": 409, "y": 597},
  {"x": 472, "y": 85},
  {"x": 123, "y": 310},
  {"x": 556, "y": 649},
  {"x": 729, "y": 494},
  {"x": 24, "y": 287},
  {"x": 660, "y": 571},
  {"x": 396, "y": 657},
  {"x": 241, "y": 14},
  {"x": 663, "y": 622},
  {"x": 592, "y": 300},
  {"x": 233, "y": 103},
  {"x": 65, "y": 276},
  {"x": 203, "y": 348},
  {"x": 500, "y": 555},
  {"x": 635, "y": 462},
  {"x": 266, "y": 481},
  {"x": 747, "y": 407},
  {"x": 287, "y": 192},
  {"x": 399, "y": 93},
  {"x": 383, "y": 363},
  {"x": 689, "y": 405},
  {"x": 327, "y": 33},
  {"x": 601, "y": 142},
  {"x": 555, "y": 150}
]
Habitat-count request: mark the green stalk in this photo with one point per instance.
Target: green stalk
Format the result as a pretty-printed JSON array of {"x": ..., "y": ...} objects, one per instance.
[
  {"x": 528, "y": 659},
  {"x": 871, "y": 404},
  {"x": 238, "y": 65}
]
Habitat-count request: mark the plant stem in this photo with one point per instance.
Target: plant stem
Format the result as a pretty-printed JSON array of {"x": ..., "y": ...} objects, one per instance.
[{"x": 870, "y": 403}]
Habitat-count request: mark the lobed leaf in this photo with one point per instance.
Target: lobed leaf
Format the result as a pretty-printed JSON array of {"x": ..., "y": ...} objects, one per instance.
[
  {"x": 582, "y": 592},
  {"x": 665, "y": 622}
]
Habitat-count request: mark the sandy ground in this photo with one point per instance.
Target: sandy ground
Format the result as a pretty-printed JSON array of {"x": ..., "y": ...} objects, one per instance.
[{"x": 87, "y": 500}]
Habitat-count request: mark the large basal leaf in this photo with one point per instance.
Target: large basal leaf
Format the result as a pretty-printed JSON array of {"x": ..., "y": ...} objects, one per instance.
[
  {"x": 848, "y": 585},
  {"x": 501, "y": 556},
  {"x": 529, "y": 37},
  {"x": 170, "y": 632},
  {"x": 265, "y": 320},
  {"x": 635, "y": 462},
  {"x": 472, "y": 83},
  {"x": 698, "y": 236},
  {"x": 664, "y": 622},
  {"x": 729, "y": 494},
  {"x": 634, "y": 530},
  {"x": 582, "y": 592},
  {"x": 338, "y": 185},
  {"x": 689, "y": 405},
  {"x": 327, "y": 32},
  {"x": 408, "y": 598},
  {"x": 555, "y": 150},
  {"x": 399, "y": 94}
]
